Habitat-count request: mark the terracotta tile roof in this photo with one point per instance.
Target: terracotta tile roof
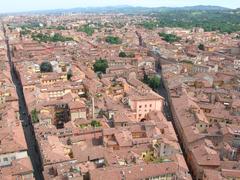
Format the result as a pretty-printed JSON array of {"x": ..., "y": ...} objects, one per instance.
[
  {"x": 205, "y": 156},
  {"x": 19, "y": 167},
  {"x": 76, "y": 105},
  {"x": 84, "y": 153},
  {"x": 135, "y": 172}
]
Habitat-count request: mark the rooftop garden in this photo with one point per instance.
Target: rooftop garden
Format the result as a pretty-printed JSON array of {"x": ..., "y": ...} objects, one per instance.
[
  {"x": 150, "y": 158},
  {"x": 93, "y": 123}
]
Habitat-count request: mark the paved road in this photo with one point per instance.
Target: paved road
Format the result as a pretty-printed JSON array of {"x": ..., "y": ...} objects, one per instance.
[
  {"x": 168, "y": 114},
  {"x": 155, "y": 52},
  {"x": 166, "y": 108},
  {"x": 33, "y": 151}
]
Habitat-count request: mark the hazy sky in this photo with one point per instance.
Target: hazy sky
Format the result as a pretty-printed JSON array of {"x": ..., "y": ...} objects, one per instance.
[{"x": 28, "y": 5}]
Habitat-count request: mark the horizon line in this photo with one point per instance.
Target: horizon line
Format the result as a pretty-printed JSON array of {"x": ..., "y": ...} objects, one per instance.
[{"x": 95, "y": 7}]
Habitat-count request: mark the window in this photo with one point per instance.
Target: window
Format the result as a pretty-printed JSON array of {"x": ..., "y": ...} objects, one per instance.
[
  {"x": 150, "y": 105},
  {"x": 13, "y": 158},
  {"x": 5, "y": 159},
  {"x": 140, "y": 106},
  {"x": 145, "y": 105}
]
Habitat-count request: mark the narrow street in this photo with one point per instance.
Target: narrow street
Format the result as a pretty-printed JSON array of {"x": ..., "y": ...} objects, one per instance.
[
  {"x": 168, "y": 114},
  {"x": 33, "y": 151},
  {"x": 155, "y": 52},
  {"x": 166, "y": 108}
]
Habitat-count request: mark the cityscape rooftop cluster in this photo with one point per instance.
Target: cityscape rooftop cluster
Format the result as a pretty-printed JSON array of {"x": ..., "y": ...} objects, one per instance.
[{"x": 102, "y": 96}]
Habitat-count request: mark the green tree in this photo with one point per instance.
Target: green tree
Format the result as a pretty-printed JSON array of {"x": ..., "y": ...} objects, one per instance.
[
  {"x": 129, "y": 55},
  {"x": 169, "y": 37},
  {"x": 113, "y": 40},
  {"x": 69, "y": 74},
  {"x": 95, "y": 123},
  {"x": 87, "y": 29},
  {"x": 209, "y": 20},
  {"x": 61, "y": 27},
  {"x": 24, "y": 32},
  {"x": 122, "y": 54},
  {"x": 149, "y": 25},
  {"x": 34, "y": 116},
  {"x": 46, "y": 66},
  {"x": 100, "y": 65},
  {"x": 154, "y": 82},
  {"x": 58, "y": 37},
  {"x": 145, "y": 78},
  {"x": 201, "y": 47},
  {"x": 47, "y": 38}
]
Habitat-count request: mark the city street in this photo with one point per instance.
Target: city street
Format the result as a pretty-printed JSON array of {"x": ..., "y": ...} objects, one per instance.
[
  {"x": 26, "y": 121},
  {"x": 162, "y": 91},
  {"x": 166, "y": 108}
]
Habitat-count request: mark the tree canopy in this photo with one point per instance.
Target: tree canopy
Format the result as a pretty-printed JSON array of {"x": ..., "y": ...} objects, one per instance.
[
  {"x": 61, "y": 27},
  {"x": 48, "y": 38},
  {"x": 46, "y": 67},
  {"x": 127, "y": 55},
  {"x": 100, "y": 65},
  {"x": 69, "y": 74},
  {"x": 122, "y": 54},
  {"x": 25, "y": 32},
  {"x": 153, "y": 81},
  {"x": 169, "y": 37},
  {"x": 95, "y": 123},
  {"x": 225, "y": 21},
  {"x": 113, "y": 40},
  {"x": 34, "y": 116},
  {"x": 201, "y": 47},
  {"x": 149, "y": 24},
  {"x": 86, "y": 29}
]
